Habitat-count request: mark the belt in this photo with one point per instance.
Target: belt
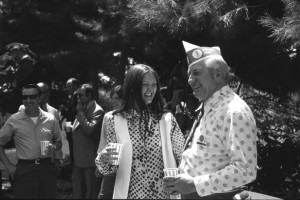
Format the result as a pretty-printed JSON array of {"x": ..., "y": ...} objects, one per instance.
[
  {"x": 224, "y": 195},
  {"x": 35, "y": 161}
]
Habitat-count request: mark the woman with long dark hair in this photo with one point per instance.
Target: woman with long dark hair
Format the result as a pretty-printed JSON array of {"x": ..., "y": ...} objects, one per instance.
[{"x": 151, "y": 137}]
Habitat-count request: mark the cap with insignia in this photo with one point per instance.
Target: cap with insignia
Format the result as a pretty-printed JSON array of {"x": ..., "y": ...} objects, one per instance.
[{"x": 195, "y": 53}]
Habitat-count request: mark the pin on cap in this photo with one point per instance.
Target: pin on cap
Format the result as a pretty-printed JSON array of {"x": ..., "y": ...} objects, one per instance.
[{"x": 196, "y": 53}]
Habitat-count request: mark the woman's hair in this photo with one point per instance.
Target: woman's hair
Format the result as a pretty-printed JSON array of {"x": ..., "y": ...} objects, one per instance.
[
  {"x": 117, "y": 90},
  {"x": 132, "y": 92}
]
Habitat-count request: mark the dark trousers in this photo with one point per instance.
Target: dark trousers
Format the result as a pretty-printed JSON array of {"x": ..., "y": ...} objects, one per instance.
[
  {"x": 107, "y": 186},
  {"x": 218, "y": 196},
  {"x": 1, "y": 191},
  {"x": 35, "y": 181},
  {"x": 85, "y": 183},
  {"x": 70, "y": 141}
]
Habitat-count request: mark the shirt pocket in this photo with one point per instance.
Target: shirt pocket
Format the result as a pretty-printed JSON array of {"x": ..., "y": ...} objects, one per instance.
[
  {"x": 208, "y": 144},
  {"x": 46, "y": 133}
]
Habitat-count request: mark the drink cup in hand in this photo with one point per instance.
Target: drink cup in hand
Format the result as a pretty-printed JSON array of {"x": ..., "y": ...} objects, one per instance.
[
  {"x": 119, "y": 150},
  {"x": 68, "y": 126},
  {"x": 170, "y": 172},
  {"x": 44, "y": 145}
]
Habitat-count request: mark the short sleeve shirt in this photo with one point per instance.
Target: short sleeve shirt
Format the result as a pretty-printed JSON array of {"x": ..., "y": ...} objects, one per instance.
[
  {"x": 223, "y": 154},
  {"x": 27, "y": 134}
]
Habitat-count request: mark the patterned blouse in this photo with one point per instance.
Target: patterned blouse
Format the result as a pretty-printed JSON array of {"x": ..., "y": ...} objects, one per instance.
[
  {"x": 223, "y": 154},
  {"x": 147, "y": 161}
]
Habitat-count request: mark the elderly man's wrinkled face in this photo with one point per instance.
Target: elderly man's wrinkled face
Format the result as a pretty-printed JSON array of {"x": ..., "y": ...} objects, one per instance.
[
  {"x": 202, "y": 82},
  {"x": 82, "y": 97}
]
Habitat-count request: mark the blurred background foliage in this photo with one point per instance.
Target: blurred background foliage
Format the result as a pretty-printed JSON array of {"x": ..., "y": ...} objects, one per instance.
[{"x": 97, "y": 40}]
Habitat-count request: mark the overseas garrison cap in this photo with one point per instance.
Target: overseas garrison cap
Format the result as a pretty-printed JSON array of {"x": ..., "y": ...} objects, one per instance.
[{"x": 195, "y": 53}]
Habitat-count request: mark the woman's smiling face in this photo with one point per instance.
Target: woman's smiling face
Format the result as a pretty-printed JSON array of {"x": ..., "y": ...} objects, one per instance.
[{"x": 149, "y": 87}]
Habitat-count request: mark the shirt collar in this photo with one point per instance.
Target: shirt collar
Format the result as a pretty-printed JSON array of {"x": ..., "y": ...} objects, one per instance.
[
  {"x": 217, "y": 96},
  {"x": 130, "y": 113},
  {"x": 23, "y": 115}
]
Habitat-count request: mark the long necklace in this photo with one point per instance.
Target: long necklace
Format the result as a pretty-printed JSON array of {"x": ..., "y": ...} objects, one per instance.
[{"x": 195, "y": 125}]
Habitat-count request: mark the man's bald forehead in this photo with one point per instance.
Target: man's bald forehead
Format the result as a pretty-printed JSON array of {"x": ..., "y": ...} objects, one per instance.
[
  {"x": 72, "y": 81},
  {"x": 43, "y": 86}
]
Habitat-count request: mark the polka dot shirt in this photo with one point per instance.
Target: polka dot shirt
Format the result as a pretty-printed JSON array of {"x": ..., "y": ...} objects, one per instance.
[
  {"x": 223, "y": 154},
  {"x": 147, "y": 163}
]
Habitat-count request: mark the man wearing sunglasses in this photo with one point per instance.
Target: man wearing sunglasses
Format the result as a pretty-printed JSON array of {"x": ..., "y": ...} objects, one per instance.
[
  {"x": 43, "y": 103},
  {"x": 34, "y": 174}
]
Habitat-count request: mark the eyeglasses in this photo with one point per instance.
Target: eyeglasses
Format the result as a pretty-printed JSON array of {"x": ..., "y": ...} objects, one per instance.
[{"x": 32, "y": 97}]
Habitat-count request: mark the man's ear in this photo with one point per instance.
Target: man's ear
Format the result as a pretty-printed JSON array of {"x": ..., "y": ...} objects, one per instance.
[{"x": 218, "y": 74}]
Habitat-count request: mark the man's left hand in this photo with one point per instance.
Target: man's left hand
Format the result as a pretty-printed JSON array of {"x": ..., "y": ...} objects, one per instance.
[
  {"x": 50, "y": 148},
  {"x": 180, "y": 184}
]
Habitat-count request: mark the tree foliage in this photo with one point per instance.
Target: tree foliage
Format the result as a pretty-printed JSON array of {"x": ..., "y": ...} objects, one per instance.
[
  {"x": 278, "y": 142},
  {"x": 285, "y": 30},
  {"x": 152, "y": 31}
]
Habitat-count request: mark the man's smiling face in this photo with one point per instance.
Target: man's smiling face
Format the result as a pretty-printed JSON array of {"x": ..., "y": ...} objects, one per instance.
[
  {"x": 201, "y": 80},
  {"x": 30, "y": 98}
]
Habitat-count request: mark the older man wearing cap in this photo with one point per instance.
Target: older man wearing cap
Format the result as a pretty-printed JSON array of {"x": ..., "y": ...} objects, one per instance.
[{"x": 220, "y": 152}]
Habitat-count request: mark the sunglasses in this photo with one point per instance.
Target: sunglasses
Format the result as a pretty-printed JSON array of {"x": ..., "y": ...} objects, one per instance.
[{"x": 32, "y": 97}]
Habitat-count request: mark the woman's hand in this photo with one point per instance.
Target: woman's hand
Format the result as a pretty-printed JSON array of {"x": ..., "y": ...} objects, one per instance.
[{"x": 109, "y": 155}]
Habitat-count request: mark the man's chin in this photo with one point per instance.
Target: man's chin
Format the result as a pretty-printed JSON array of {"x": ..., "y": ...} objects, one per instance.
[
  {"x": 197, "y": 95},
  {"x": 29, "y": 106}
]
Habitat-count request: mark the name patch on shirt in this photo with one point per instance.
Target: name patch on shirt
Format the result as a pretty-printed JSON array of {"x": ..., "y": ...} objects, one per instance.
[{"x": 201, "y": 140}]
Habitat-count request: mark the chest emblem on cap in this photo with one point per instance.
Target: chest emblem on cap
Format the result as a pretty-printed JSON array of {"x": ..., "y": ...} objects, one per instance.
[{"x": 197, "y": 53}]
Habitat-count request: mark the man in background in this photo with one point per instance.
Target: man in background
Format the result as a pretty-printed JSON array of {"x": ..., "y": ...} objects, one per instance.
[
  {"x": 72, "y": 85},
  {"x": 4, "y": 115},
  {"x": 43, "y": 104},
  {"x": 86, "y": 134},
  {"x": 34, "y": 175}
]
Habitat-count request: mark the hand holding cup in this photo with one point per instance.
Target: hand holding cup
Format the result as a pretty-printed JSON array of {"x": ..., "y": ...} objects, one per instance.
[
  {"x": 68, "y": 127},
  {"x": 44, "y": 146},
  {"x": 112, "y": 153},
  {"x": 50, "y": 148},
  {"x": 171, "y": 173}
]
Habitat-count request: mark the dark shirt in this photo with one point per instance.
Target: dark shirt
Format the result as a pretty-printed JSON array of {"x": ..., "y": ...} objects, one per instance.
[{"x": 71, "y": 108}]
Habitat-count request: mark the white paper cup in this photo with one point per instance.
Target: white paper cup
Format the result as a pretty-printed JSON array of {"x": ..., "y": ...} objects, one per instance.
[
  {"x": 44, "y": 145},
  {"x": 119, "y": 149},
  {"x": 68, "y": 126},
  {"x": 169, "y": 172}
]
